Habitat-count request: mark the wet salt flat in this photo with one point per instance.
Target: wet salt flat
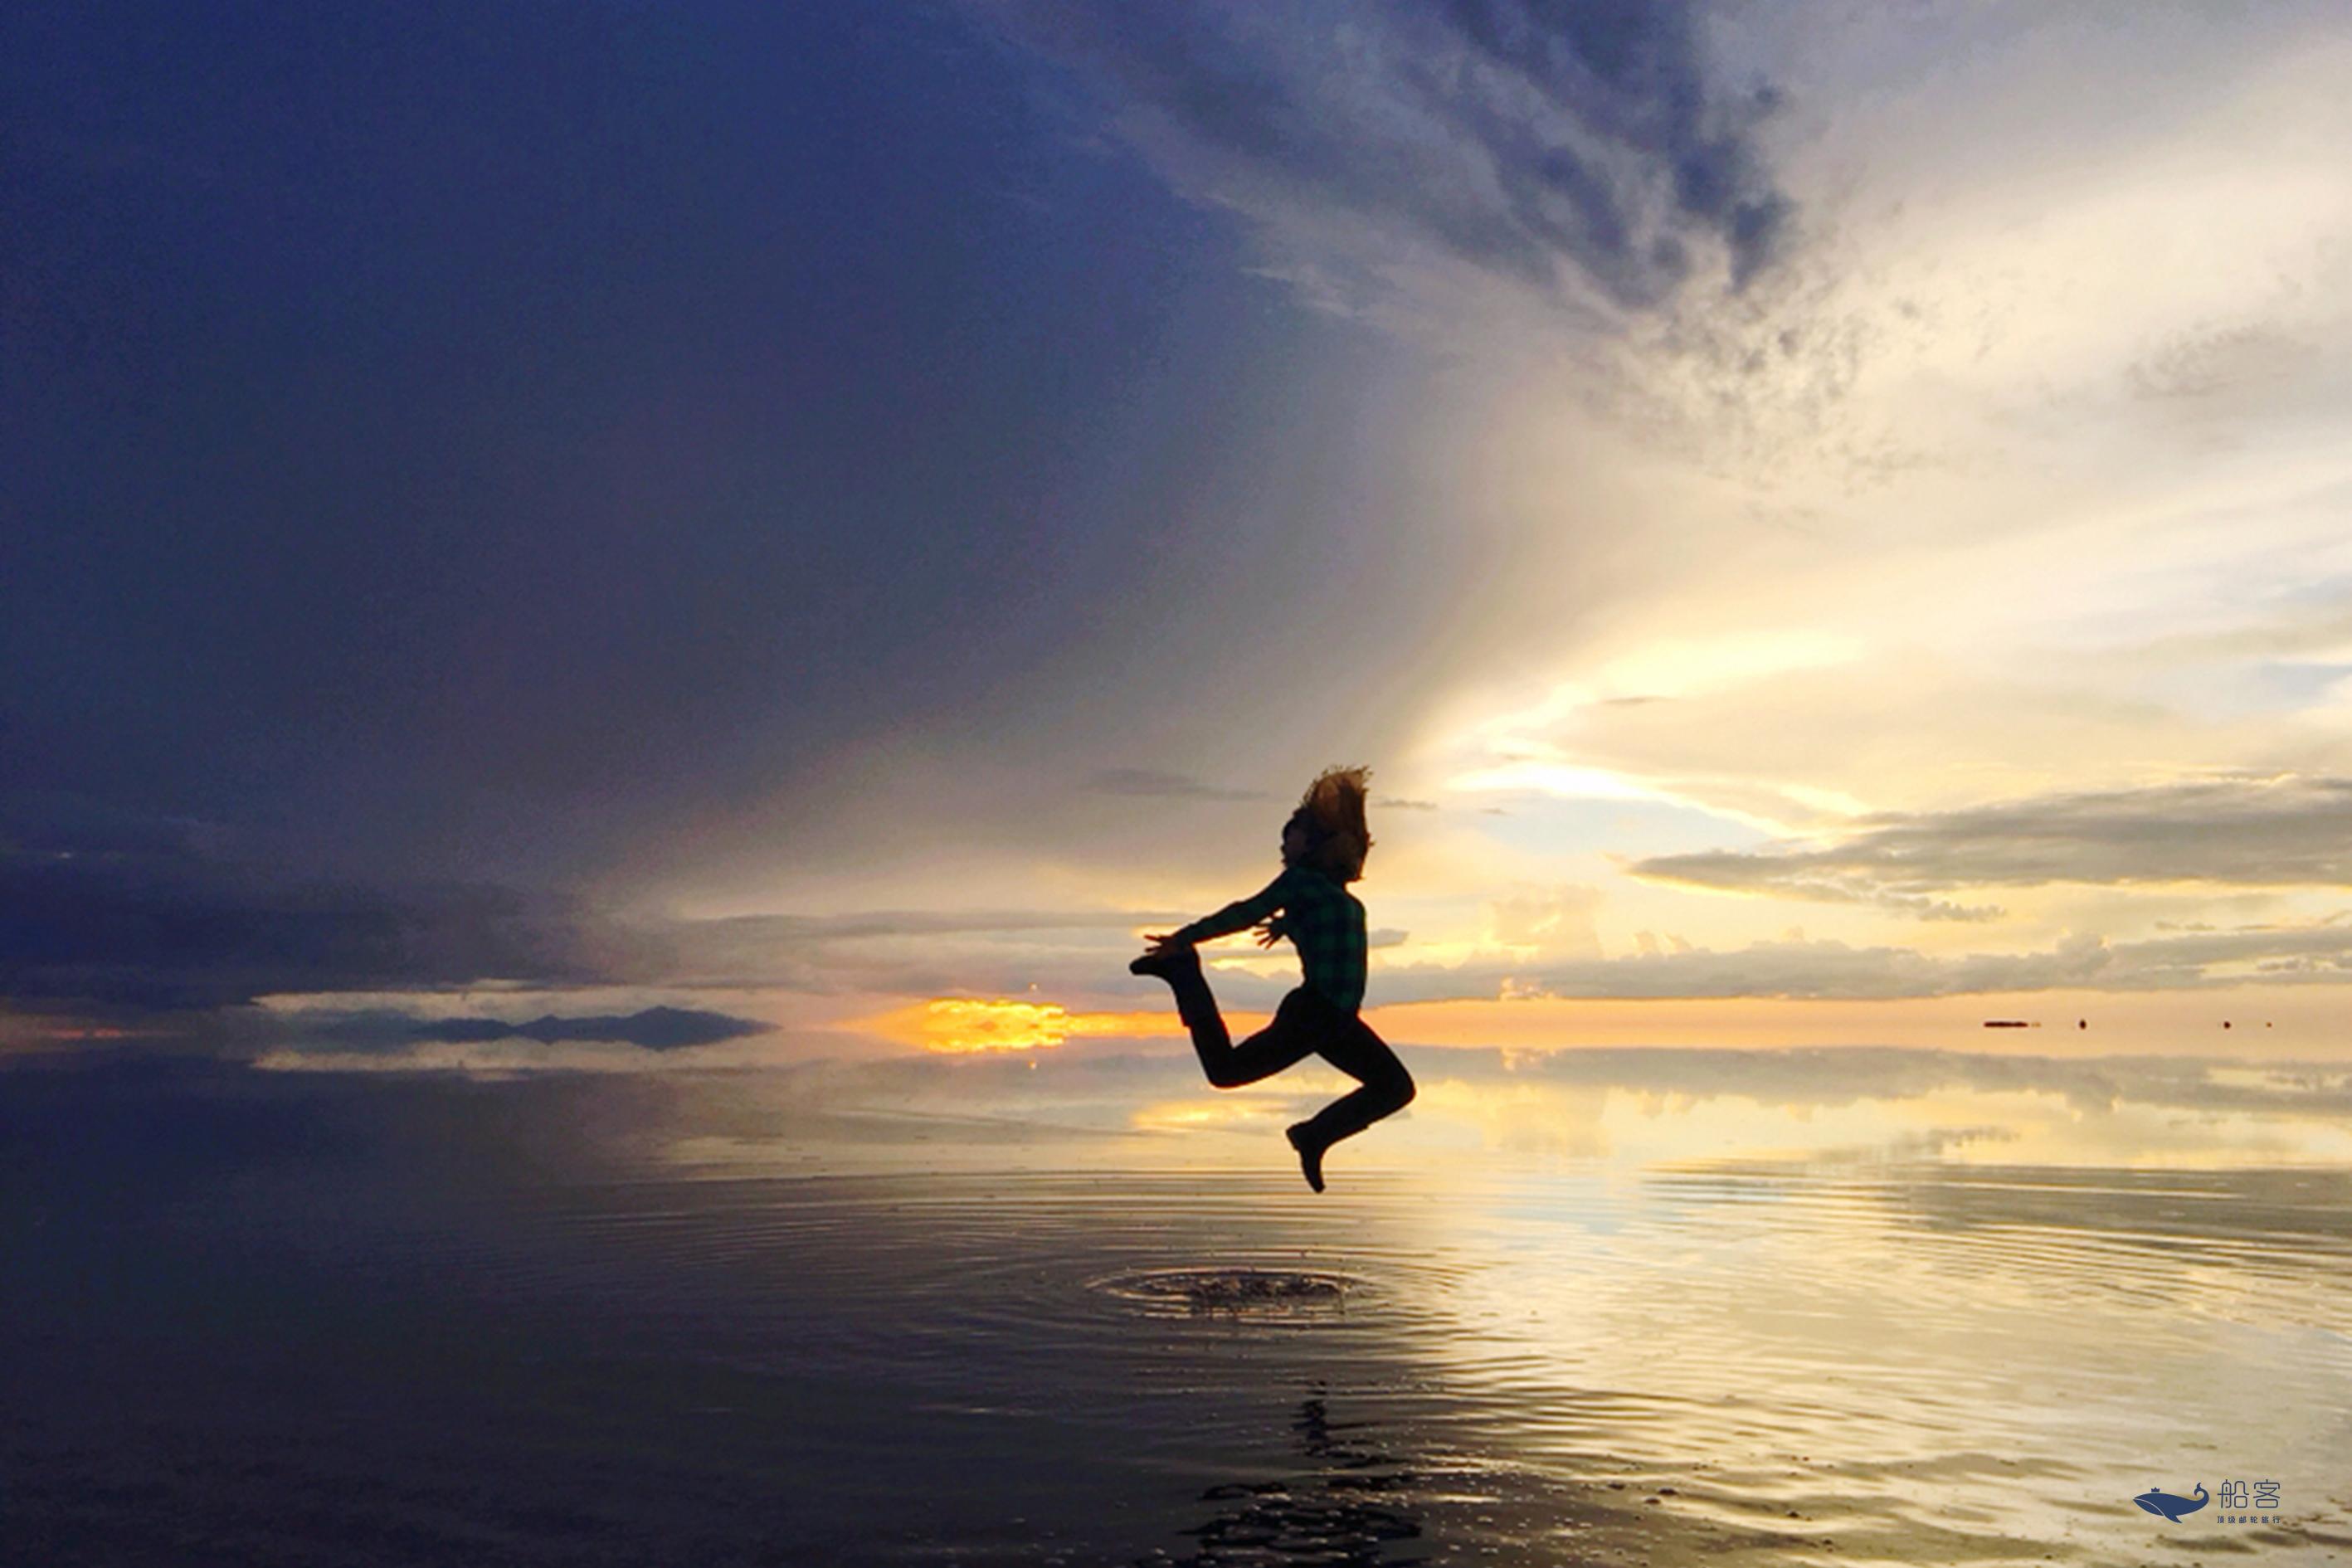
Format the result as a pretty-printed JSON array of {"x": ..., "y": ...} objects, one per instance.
[{"x": 289, "y": 1320}]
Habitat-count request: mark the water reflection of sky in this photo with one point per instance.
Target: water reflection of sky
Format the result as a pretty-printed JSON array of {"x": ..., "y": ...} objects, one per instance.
[
  {"x": 1835, "y": 1307},
  {"x": 1903, "y": 1295},
  {"x": 1630, "y": 1108}
]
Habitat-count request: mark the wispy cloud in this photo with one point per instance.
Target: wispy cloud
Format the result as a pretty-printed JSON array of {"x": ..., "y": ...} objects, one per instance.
[
  {"x": 1153, "y": 783},
  {"x": 2248, "y": 832},
  {"x": 2245, "y": 366},
  {"x": 1826, "y": 970},
  {"x": 1816, "y": 970},
  {"x": 1587, "y": 152}
]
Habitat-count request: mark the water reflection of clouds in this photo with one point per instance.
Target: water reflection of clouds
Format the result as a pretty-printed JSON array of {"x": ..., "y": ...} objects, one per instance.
[
  {"x": 1650, "y": 1105},
  {"x": 1957, "y": 1126},
  {"x": 1634, "y": 1105},
  {"x": 1903, "y": 1348},
  {"x": 1111, "y": 1101},
  {"x": 1917, "y": 1363}
]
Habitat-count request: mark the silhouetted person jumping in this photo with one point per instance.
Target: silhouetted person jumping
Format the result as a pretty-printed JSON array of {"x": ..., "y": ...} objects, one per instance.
[{"x": 1323, "y": 849}]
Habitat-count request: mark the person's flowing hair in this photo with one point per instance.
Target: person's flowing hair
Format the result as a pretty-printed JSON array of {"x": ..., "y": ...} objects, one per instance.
[{"x": 1333, "y": 810}]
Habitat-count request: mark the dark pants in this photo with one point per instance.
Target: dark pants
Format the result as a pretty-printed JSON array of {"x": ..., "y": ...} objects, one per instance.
[{"x": 1307, "y": 1024}]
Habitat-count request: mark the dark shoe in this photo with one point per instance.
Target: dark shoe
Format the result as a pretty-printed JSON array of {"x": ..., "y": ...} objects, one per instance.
[
  {"x": 1168, "y": 963},
  {"x": 1310, "y": 1153}
]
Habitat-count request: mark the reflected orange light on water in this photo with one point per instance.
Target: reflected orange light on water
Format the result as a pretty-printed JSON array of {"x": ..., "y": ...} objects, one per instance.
[
  {"x": 963, "y": 1025},
  {"x": 1238, "y": 1112}
]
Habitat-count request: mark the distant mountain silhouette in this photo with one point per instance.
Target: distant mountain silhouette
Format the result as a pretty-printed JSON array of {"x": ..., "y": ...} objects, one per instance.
[{"x": 654, "y": 1029}]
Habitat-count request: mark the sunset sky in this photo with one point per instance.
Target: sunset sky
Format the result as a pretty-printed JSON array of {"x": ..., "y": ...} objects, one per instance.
[{"x": 1830, "y": 523}]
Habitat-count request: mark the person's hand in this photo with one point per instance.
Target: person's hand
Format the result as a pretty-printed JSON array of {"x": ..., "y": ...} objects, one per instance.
[
  {"x": 1271, "y": 931},
  {"x": 1164, "y": 942}
]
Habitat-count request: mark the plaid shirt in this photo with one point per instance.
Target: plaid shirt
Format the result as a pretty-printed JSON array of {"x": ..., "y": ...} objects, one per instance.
[{"x": 1323, "y": 920}]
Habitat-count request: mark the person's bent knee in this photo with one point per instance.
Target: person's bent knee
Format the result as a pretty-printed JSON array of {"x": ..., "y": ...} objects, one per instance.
[{"x": 1402, "y": 1090}]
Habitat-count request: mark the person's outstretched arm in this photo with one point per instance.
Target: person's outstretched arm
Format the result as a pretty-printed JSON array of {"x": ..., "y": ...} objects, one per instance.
[{"x": 1233, "y": 917}]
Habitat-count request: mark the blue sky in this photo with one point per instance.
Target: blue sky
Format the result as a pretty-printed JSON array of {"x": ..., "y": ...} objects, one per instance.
[{"x": 796, "y": 512}]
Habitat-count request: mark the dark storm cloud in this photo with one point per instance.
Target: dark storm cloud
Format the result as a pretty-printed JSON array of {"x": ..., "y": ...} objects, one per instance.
[
  {"x": 167, "y": 932},
  {"x": 2246, "y": 832},
  {"x": 192, "y": 937},
  {"x": 1520, "y": 136},
  {"x": 110, "y": 909},
  {"x": 557, "y": 423}
]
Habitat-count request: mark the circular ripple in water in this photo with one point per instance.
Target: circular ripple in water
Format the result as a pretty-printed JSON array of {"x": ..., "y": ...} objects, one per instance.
[{"x": 1239, "y": 1292}]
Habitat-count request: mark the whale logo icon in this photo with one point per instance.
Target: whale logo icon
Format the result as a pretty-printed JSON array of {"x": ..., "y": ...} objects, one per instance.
[{"x": 2171, "y": 1505}]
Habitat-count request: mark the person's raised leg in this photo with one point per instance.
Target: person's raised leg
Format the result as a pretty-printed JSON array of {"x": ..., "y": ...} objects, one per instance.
[
  {"x": 1311, "y": 1151},
  {"x": 1386, "y": 1088},
  {"x": 1211, "y": 1041},
  {"x": 1286, "y": 1041}
]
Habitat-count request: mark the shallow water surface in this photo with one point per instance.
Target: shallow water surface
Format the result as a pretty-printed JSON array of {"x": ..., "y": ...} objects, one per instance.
[{"x": 289, "y": 1321}]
